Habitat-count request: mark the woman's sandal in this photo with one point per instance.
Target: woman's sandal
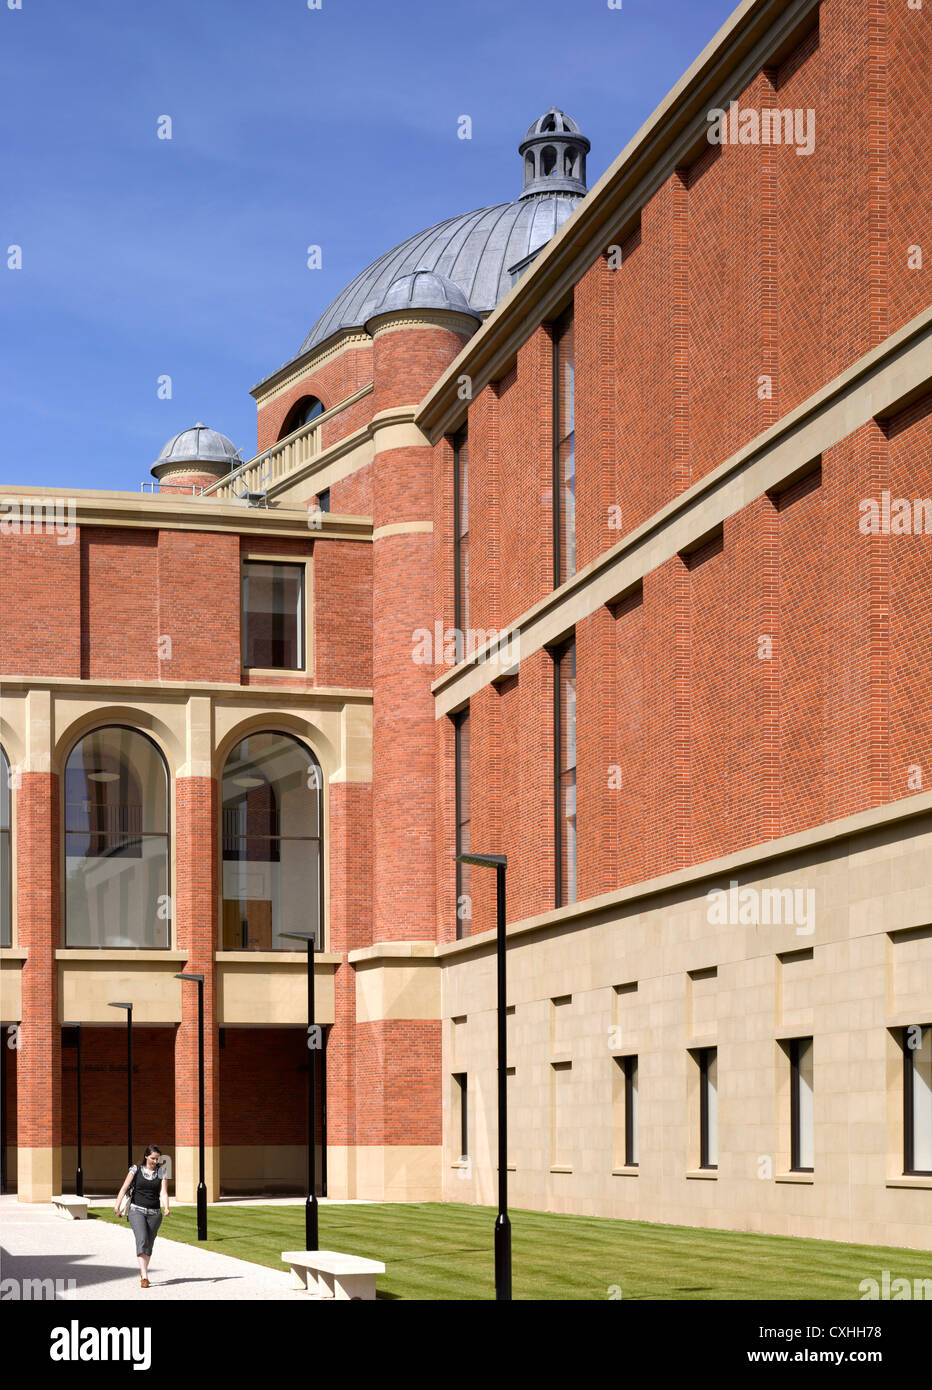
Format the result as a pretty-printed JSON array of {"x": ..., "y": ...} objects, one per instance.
[{"x": 144, "y": 1283}]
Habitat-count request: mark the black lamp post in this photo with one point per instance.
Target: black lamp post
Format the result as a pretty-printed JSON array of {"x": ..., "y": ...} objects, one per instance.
[
  {"x": 502, "y": 1224},
  {"x": 312, "y": 1241},
  {"x": 129, "y": 1080},
  {"x": 79, "y": 1171},
  {"x": 201, "y": 1185}
]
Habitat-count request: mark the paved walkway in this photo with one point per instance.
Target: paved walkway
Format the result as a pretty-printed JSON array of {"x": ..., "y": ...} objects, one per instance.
[{"x": 101, "y": 1259}]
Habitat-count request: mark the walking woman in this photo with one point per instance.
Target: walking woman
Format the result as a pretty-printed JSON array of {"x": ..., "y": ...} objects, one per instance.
[{"x": 148, "y": 1191}]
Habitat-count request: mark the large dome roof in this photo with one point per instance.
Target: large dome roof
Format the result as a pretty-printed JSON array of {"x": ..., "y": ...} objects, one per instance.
[{"x": 477, "y": 250}]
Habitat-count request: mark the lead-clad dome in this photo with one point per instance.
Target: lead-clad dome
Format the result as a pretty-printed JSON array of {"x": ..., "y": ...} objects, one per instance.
[
  {"x": 199, "y": 444},
  {"x": 424, "y": 289},
  {"x": 475, "y": 252}
]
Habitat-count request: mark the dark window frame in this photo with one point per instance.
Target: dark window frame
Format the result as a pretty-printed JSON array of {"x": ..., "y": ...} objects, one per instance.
[
  {"x": 705, "y": 1057},
  {"x": 460, "y": 581},
  {"x": 300, "y": 634},
  {"x": 630, "y": 1069},
  {"x": 794, "y": 1050},
  {"x": 909, "y": 1117},
  {"x": 462, "y": 1081},
  {"x": 558, "y": 332},
  {"x": 460, "y": 719},
  {"x": 558, "y": 655},
  {"x": 225, "y": 840},
  {"x": 166, "y": 834}
]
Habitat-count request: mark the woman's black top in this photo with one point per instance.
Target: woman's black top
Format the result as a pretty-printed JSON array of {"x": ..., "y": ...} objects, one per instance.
[{"x": 148, "y": 1187}]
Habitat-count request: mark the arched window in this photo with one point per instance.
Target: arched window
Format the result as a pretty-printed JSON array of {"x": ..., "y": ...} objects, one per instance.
[
  {"x": 116, "y": 842},
  {"x": 548, "y": 160},
  {"x": 272, "y": 844},
  {"x": 301, "y": 413},
  {"x": 6, "y": 860}
]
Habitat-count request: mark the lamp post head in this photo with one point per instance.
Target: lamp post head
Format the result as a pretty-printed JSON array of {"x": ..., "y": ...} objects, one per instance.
[
  {"x": 121, "y": 1006},
  {"x": 198, "y": 979},
  {"x": 484, "y": 860},
  {"x": 309, "y": 937}
]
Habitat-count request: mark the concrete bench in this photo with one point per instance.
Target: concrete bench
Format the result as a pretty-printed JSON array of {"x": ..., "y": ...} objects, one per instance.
[
  {"x": 329, "y": 1274},
  {"x": 70, "y": 1208}
]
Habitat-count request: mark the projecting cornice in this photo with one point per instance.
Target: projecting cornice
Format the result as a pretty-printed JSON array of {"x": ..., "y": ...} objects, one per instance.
[
  {"x": 28, "y": 508},
  {"x": 759, "y": 33}
]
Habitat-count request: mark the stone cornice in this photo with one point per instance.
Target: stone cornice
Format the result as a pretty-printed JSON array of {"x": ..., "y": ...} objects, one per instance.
[
  {"x": 607, "y": 905},
  {"x": 171, "y": 513},
  {"x": 673, "y": 136},
  {"x": 112, "y": 691}
]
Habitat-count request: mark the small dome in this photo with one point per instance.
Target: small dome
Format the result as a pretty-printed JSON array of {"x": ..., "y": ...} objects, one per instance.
[
  {"x": 199, "y": 444},
  {"x": 553, "y": 122},
  {"x": 421, "y": 289}
]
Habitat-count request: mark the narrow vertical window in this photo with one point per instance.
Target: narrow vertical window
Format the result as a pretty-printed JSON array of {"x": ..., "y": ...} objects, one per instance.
[
  {"x": 802, "y": 1109},
  {"x": 630, "y": 1066},
  {"x": 463, "y": 900},
  {"x": 564, "y": 451},
  {"x": 6, "y": 862},
  {"x": 708, "y": 1107},
  {"x": 564, "y": 745},
  {"x": 462, "y": 1094},
  {"x": 917, "y": 1099},
  {"x": 461, "y": 533}
]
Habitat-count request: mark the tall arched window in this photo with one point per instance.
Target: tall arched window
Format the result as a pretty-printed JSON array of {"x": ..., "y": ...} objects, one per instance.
[
  {"x": 301, "y": 413},
  {"x": 6, "y": 859},
  {"x": 116, "y": 842},
  {"x": 272, "y": 844}
]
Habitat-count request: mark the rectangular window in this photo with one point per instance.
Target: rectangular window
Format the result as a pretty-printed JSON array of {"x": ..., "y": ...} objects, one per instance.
[
  {"x": 564, "y": 746},
  {"x": 708, "y": 1107},
  {"x": 564, "y": 451},
  {"x": 273, "y": 616},
  {"x": 323, "y": 500},
  {"x": 625, "y": 1144},
  {"x": 917, "y": 1099},
  {"x": 461, "y": 1091},
  {"x": 463, "y": 900},
  {"x": 802, "y": 1108},
  {"x": 461, "y": 533}
]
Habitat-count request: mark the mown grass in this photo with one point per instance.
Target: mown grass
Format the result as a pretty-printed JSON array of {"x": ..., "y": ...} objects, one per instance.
[{"x": 439, "y": 1250}]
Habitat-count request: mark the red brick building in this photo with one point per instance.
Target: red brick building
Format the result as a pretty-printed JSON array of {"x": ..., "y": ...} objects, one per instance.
[{"x": 594, "y": 529}]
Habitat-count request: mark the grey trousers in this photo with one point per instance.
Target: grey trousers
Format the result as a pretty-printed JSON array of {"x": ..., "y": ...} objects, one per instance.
[{"x": 145, "y": 1224}]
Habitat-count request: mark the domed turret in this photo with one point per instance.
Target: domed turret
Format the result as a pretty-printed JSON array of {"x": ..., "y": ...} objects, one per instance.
[
  {"x": 554, "y": 151},
  {"x": 195, "y": 457},
  {"x": 474, "y": 252},
  {"x": 422, "y": 289}
]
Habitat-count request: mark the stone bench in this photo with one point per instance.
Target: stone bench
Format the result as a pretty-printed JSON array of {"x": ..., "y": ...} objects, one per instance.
[
  {"x": 70, "y": 1208},
  {"x": 329, "y": 1274}
]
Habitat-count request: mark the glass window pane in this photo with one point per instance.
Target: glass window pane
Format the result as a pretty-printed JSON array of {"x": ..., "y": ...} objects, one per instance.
[
  {"x": 116, "y": 842},
  {"x": 631, "y": 1112},
  {"x": 273, "y": 616},
  {"x": 806, "y": 1105},
  {"x": 271, "y": 843},
  {"x": 712, "y": 1107},
  {"x": 6, "y": 890},
  {"x": 922, "y": 1103},
  {"x": 116, "y": 891}
]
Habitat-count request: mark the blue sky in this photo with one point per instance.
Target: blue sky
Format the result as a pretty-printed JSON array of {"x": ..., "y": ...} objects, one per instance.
[{"x": 290, "y": 126}]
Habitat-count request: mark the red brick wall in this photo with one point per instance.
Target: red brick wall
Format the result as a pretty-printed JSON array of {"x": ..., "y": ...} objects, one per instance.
[
  {"x": 103, "y": 1090},
  {"x": 199, "y": 601},
  {"x": 119, "y": 604},
  {"x": 330, "y": 383},
  {"x": 43, "y": 580}
]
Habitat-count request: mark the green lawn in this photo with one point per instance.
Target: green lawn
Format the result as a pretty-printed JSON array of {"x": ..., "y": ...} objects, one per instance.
[{"x": 435, "y": 1250}]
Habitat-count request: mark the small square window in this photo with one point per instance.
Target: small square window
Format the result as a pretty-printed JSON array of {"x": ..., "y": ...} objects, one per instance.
[{"x": 273, "y": 616}]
